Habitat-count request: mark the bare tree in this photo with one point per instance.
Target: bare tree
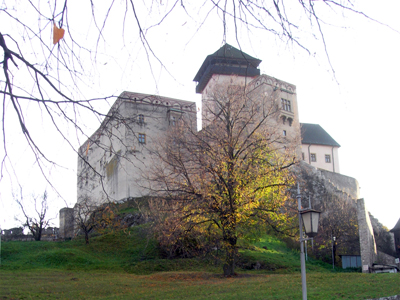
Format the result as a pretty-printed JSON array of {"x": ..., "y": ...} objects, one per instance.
[
  {"x": 217, "y": 185},
  {"x": 84, "y": 220},
  {"x": 90, "y": 217},
  {"x": 35, "y": 213},
  {"x": 54, "y": 77}
]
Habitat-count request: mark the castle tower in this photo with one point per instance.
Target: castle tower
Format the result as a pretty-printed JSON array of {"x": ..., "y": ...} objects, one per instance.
[
  {"x": 230, "y": 68},
  {"x": 226, "y": 67},
  {"x": 224, "y": 63}
]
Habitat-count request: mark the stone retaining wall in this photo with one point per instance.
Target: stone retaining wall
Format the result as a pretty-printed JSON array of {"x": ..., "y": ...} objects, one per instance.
[{"x": 396, "y": 297}]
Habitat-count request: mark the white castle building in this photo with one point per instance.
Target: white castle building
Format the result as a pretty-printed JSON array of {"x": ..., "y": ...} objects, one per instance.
[
  {"x": 112, "y": 162},
  {"x": 114, "y": 158}
]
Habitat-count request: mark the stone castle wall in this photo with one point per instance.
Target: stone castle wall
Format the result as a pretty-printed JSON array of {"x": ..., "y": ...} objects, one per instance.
[
  {"x": 385, "y": 259},
  {"x": 66, "y": 223},
  {"x": 17, "y": 234},
  {"x": 367, "y": 239},
  {"x": 319, "y": 184}
]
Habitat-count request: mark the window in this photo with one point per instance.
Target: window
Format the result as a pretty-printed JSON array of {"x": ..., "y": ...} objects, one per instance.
[
  {"x": 327, "y": 158},
  {"x": 302, "y": 155},
  {"x": 141, "y": 119},
  {"x": 142, "y": 138},
  {"x": 286, "y": 105},
  {"x": 284, "y": 133},
  {"x": 313, "y": 157},
  {"x": 173, "y": 121}
]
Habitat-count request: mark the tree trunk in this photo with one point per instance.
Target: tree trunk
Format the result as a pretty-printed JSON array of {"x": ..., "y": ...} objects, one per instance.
[
  {"x": 38, "y": 236},
  {"x": 229, "y": 240},
  {"x": 229, "y": 266},
  {"x": 37, "y": 233},
  {"x": 86, "y": 237}
]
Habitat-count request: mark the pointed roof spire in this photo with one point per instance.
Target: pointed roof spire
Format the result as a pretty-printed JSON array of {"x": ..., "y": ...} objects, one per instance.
[
  {"x": 227, "y": 60},
  {"x": 228, "y": 51}
]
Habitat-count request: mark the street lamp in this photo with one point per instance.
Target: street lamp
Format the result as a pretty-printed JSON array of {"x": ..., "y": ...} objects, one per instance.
[
  {"x": 333, "y": 252},
  {"x": 310, "y": 218},
  {"x": 310, "y": 221}
]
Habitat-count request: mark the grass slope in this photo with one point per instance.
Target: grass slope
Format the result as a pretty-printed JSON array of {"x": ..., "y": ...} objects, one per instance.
[
  {"x": 110, "y": 252},
  {"x": 128, "y": 266},
  {"x": 133, "y": 252},
  {"x": 53, "y": 284}
]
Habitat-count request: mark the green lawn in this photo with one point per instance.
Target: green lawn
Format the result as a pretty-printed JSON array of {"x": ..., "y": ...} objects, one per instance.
[
  {"x": 127, "y": 265},
  {"x": 51, "y": 284}
]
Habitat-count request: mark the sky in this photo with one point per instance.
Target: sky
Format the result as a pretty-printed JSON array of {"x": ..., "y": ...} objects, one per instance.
[{"x": 354, "y": 97}]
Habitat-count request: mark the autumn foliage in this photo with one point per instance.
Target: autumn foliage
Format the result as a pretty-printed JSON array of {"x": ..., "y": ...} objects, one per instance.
[{"x": 226, "y": 182}]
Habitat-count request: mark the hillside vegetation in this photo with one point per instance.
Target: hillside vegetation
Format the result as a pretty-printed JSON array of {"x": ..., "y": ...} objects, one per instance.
[
  {"x": 128, "y": 265},
  {"x": 133, "y": 251}
]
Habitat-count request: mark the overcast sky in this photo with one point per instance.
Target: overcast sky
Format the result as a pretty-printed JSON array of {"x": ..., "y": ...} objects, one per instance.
[{"x": 355, "y": 99}]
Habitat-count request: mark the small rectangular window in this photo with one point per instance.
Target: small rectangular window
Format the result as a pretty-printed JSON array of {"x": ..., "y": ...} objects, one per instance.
[
  {"x": 302, "y": 155},
  {"x": 284, "y": 133},
  {"x": 327, "y": 158},
  {"x": 313, "y": 157},
  {"x": 142, "y": 138},
  {"x": 173, "y": 121},
  {"x": 141, "y": 119}
]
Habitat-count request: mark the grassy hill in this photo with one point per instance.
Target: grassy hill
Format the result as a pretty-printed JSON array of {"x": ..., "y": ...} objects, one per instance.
[
  {"x": 127, "y": 265},
  {"x": 134, "y": 252}
]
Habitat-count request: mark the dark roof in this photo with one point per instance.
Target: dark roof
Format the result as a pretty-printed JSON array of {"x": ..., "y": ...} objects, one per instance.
[
  {"x": 228, "y": 51},
  {"x": 396, "y": 227},
  {"x": 315, "y": 134},
  {"x": 227, "y": 60}
]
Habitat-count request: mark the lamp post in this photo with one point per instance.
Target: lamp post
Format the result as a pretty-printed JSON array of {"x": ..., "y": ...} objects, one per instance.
[
  {"x": 310, "y": 219},
  {"x": 333, "y": 252}
]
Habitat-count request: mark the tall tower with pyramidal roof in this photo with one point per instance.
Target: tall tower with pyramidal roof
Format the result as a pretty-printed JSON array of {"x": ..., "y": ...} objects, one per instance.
[
  {"x": 230, "y": 69},
  {"x": 225, "y": 62},
  {"x": 228, "y": 66}
]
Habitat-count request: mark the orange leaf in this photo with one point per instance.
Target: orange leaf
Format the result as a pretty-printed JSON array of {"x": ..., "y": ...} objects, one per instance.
[
  {"x": 58, "y": 34},
  {"x": 87, "y": 148}
]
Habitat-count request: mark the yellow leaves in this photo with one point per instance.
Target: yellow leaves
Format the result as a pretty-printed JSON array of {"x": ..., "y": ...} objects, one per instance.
[{"x": 58, "y": 34}]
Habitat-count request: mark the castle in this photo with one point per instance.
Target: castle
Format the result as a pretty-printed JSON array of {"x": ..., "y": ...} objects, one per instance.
[{"x": 112, "y": 160}]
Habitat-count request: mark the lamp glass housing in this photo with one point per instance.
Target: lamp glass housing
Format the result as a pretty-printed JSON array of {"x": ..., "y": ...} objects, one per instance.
[{"x": 310, "y": 220}]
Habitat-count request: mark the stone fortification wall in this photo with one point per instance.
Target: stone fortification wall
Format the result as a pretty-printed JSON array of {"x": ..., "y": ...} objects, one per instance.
[
  {"x": 369, "y": 253},
  {"x": 320, "y": 184},
  {"x": 17, "y": 234},
  {"x": 383, "y": 238},
  {"x": 335, "y": 196},
  {"x": 66, "y": 223},
  {"x": 367, "y": 239},
  {"x": 344, "y": 184},
  {"x": 385, "y": 259},
  {"x": 396, "y": 297}
]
